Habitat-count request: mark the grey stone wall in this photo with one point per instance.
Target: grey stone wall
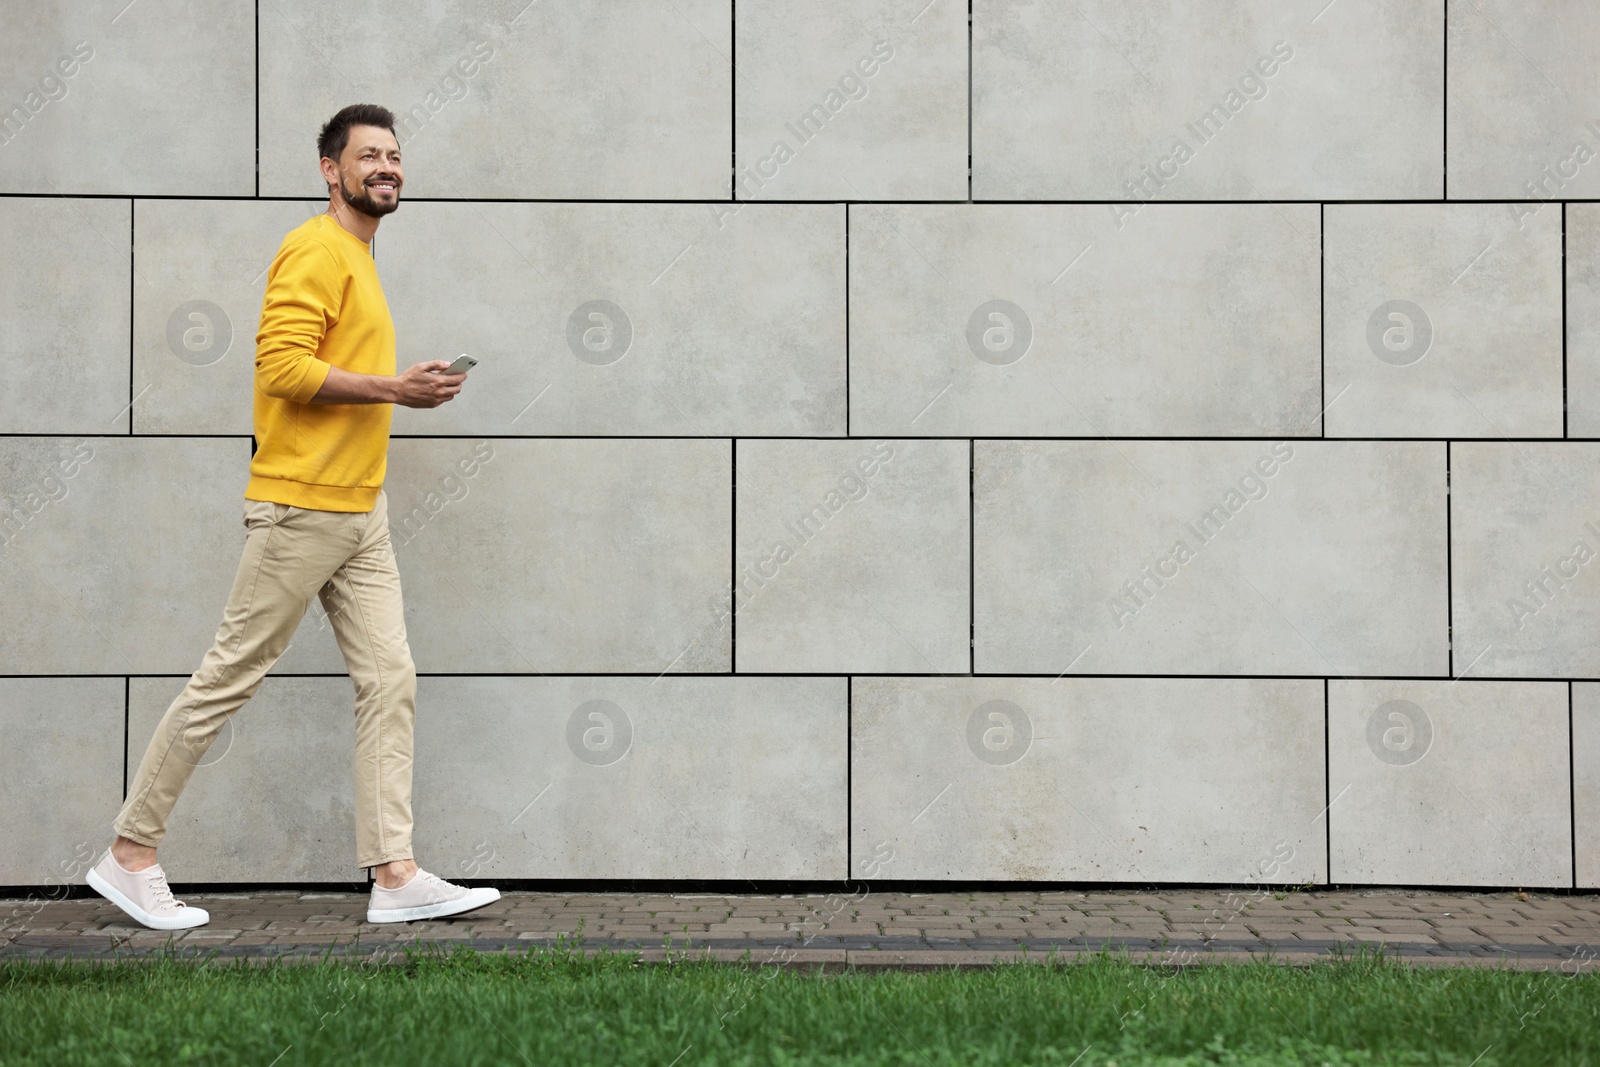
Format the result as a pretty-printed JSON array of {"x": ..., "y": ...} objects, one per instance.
[{"x": 1126, "y": 442}]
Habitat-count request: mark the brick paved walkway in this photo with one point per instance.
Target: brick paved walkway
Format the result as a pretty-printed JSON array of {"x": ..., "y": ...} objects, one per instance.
[{"x": 876, "y": 929}]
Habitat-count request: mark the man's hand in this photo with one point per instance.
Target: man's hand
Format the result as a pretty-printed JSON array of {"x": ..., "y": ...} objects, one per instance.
[{"x": 422, "y": 386}]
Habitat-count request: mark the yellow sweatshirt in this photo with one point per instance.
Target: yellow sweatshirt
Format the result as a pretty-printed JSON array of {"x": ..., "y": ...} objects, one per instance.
[{"x": 323, "y": 306}]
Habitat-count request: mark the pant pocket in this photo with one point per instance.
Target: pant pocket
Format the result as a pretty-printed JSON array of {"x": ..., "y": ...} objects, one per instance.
[{"x": 263, "y": 513}]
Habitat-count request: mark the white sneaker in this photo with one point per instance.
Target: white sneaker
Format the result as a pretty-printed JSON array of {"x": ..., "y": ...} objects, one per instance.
[
  {"x": 144, "y": 895},
  {"x": 426, "y": 896}
]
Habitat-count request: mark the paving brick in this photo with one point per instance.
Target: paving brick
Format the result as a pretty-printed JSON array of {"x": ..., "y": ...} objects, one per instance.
[
  {"x": 1531, "y": 931},
  {"x": 1404, "y": 926},
  {"x": 842, "y": 929},
  {"x": 1505, "y": 929}
]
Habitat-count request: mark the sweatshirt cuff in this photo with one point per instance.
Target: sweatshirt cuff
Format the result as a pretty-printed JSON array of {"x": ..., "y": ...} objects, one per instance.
[{"x": 311, "y": 384}]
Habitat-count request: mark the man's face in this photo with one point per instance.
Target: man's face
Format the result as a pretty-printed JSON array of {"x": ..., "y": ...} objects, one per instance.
[{"x": 369, "y": 172}]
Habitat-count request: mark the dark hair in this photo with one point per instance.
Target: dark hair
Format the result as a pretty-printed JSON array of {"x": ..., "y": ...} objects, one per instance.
[{"x": 335, "y": 134}]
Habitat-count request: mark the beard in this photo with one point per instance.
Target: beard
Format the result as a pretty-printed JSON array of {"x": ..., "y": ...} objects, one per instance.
[{"x": 364, "y": 203}]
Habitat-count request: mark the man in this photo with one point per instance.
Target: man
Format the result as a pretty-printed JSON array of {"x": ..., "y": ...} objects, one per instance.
[{"x": 317, "y": 522}]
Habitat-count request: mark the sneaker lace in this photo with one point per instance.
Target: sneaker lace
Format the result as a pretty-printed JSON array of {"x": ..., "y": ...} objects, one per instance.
[
  {"x": 437, "y": 890},
  {"x": 162, "y": 891}
]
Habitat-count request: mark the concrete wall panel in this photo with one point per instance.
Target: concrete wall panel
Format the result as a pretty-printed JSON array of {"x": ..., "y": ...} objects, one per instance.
[
  {"x": 855, "y": 101},
  {"x": 632, "y": 777},
  {"x": 567, "y": 556},
  {"x": 1135, "y": 557},
  {"x": 1450, "y": 784},
  {"x": 1105, "y": 780},
  {"x": 1586, "y": 782},
  {"x": 1522, "y": 98},
  {"x": 1525, "y": 537},
  {"x": 1583, "y": 319},
  {"x": 127, "y": 566},
  {"x": 623, "y": 319},
  {"x": 852, "y": 556},
  {"x": 64, "y": 285},
  {"x": 1085, "y": 101},
  {"x": 104, "y": 98},
  {"x": 118, "y": 552},
  {"x": 60, "y": 779},
  {"x": 619, "y": 100},
  {"x": 1442, "y": 320},
  {"x": 1065, "y": 320}
]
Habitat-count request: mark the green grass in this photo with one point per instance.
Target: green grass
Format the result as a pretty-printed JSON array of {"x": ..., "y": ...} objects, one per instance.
[{"x": 555, "y": 1006}]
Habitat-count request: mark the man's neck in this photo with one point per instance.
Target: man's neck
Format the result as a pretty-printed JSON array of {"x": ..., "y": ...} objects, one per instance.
[{"x": 362, "y": 225}]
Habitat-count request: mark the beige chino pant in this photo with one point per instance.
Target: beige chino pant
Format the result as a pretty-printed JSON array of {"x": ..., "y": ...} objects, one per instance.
[{"x": 290, "y": 555}]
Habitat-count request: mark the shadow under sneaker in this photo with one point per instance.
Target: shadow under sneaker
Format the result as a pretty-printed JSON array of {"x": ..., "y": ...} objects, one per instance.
[
  {"x": 426, "y": 896},
  {"x": 144, "y": 895}
]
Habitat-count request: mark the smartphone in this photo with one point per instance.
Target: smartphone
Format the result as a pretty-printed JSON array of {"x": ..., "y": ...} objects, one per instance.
[{"x": 462, "y": 364}]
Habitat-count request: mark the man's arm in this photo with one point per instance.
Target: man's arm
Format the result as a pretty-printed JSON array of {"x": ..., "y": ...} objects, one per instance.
[
  {"x": 300, "y": 301},
  {"x": 421, "y": 386}
]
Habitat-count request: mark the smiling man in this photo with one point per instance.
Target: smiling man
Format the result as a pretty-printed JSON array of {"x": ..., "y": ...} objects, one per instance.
[{"x": 317, "y": 525}]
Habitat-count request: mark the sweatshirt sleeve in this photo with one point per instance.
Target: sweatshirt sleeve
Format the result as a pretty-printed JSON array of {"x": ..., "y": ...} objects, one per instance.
[{"x": 301, "y": 302}]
